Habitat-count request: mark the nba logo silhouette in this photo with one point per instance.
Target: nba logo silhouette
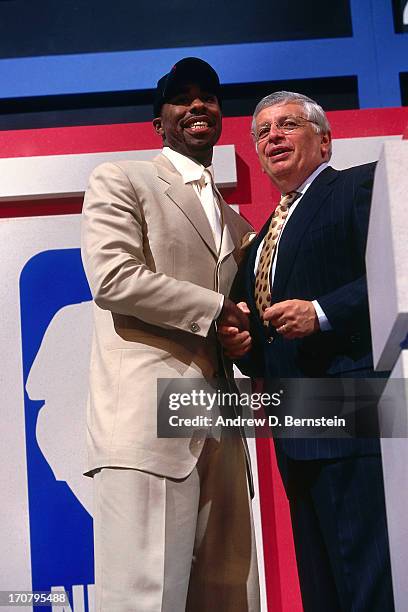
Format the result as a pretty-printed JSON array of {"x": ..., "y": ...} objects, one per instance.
[{"x": 54, "y": 317}]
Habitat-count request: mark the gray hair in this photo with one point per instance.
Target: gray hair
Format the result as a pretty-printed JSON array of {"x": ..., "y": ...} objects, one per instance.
[{"x": 312, "y": 109}]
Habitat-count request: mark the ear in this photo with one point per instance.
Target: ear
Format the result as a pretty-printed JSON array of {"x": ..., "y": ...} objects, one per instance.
[
  {"x": 260, "y": 159},
  {"x": 325, "y": 145},
  {"x": 158, "y": 127}
]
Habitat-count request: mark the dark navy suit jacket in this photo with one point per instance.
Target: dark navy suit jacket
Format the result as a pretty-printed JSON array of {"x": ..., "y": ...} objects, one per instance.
[{"x": 321, "y": 256}]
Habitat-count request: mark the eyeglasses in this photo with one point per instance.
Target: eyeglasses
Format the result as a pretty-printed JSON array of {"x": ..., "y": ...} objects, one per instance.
[{"x": 286, "y": 125}]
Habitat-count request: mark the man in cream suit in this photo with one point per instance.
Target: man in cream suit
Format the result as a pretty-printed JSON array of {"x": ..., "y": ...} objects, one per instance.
[{"x": 172, "y": 520}]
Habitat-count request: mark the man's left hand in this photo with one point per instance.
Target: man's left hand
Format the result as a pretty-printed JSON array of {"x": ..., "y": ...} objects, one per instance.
[
  {"x": 293, "y": 318},
  {"x": 235, "y": 343}
]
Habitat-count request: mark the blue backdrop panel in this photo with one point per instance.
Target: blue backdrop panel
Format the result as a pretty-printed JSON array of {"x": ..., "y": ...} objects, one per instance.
[{"x": 374, "y": 52}]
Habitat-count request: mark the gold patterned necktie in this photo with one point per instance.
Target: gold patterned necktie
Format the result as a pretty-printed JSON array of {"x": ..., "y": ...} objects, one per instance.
[{"x": 263, "y": 273}]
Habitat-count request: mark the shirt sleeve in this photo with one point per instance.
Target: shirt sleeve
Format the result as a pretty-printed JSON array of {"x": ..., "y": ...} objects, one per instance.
[{"x": 323, "y": 320}]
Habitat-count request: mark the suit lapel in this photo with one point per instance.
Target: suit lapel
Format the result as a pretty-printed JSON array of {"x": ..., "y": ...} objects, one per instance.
[
  {"x": 296, "y": 226},
  {"x": 227, "y": 243},
  {"x": 185, "y": 198}
]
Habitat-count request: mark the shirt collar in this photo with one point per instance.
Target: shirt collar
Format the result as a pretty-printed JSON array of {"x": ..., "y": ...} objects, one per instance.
[
  {"x": 189, "y": 169},
  {"x": 305, "y": 186}
]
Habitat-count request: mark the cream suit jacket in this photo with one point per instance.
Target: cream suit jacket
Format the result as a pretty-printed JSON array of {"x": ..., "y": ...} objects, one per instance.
[{"x": 151, "y": 262}]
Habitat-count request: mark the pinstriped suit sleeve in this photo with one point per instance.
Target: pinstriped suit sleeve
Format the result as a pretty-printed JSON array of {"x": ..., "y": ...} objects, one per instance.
[{"x": 347, "y": 307}]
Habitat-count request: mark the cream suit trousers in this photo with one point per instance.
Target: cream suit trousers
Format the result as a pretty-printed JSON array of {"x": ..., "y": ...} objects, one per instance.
[{"x": 165, "y": 545}]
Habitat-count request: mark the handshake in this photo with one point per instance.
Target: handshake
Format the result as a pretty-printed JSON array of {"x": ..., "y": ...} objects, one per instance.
[
  {"x": 291, "y": 319},
  {"x": 233, "y": 329}
]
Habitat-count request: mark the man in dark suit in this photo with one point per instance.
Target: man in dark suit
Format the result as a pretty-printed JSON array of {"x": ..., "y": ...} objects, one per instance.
[{"x": 304, "y": 284}]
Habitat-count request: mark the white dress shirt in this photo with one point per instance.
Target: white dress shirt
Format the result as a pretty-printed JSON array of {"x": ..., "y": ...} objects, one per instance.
[{"x": 192, "y": 172}]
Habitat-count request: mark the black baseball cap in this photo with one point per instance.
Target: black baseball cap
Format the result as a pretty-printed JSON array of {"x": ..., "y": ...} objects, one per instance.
[{"x": 188, "y": 69}]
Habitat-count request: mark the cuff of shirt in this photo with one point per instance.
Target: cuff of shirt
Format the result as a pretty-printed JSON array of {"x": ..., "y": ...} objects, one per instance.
[
  {"x": 323, "y": 320},
  {"x": 221, "y": 304}
]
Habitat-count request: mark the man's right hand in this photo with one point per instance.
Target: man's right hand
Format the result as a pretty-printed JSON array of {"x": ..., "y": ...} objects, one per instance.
[
  {"x": 233, "y": 329},
  {"x": 233, "y": 316}
]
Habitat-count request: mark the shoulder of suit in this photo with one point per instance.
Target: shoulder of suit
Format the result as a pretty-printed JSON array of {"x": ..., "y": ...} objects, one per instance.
[
  {"x": 360, "y": 170},
  {"x": 128, "y": 168},
  {"x": 361, "y": 176},
  {"x": 124, "y": 165}
]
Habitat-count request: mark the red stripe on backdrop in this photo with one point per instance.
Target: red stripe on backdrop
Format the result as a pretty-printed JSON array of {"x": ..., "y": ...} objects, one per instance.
[
  {"x": 255, "y": 194},
  {"x": 368, "y": 122},
  {"x": 41, "y": 208},
  {"x": 78, "y": 139},
  {"x": 282, "y": 584},
  {"x": 126, "y": 136},
  {"x": 272, "y": 558}
]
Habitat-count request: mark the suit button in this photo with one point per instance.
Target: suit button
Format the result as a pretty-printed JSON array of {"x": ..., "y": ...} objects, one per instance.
[
  {"x": 270, "y": 339},
  {"x": 194, "y": 327}
]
